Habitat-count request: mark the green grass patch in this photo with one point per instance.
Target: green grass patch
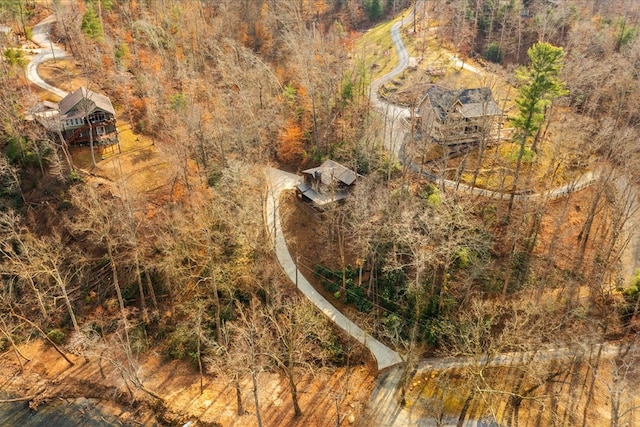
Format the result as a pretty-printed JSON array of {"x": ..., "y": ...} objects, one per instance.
[{"x": 376, "y": 49}]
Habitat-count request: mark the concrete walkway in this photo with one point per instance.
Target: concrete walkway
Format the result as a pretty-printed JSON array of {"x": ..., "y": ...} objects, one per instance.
[
  {"x": 278, "y": 181},
  {"x": 49, "y": 51}
]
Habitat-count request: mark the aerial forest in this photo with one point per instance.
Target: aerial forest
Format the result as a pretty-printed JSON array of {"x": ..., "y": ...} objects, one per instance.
[{"x": 489, "y": 236}]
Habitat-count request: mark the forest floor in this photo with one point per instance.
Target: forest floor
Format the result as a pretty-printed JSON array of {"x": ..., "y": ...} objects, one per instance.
[
  {"x": 310, "y": 240},
  {"x": 51, "y": 379},
  {"x": 438, "y": 395}
]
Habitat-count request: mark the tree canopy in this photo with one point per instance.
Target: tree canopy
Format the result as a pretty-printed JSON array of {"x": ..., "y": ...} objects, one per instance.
[{"x": 539, "y": 84}]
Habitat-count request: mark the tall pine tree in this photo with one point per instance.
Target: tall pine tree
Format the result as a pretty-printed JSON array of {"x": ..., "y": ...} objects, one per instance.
[{"x": 539, "y": 85}]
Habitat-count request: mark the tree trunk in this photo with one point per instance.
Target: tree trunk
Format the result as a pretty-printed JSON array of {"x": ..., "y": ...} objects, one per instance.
[
  {"x": 590, "y": 392},
  {"x": 254, "y": 379},
  {"x": 440, "y": 281},
  {"x": 516, "y": 177},
  {"x": 315, "y": 120},
  {"x": 199, "y": 334},
  {"x": 236, "y": 386},
  {"x": 465, "y": 409},
  {"x": 150, "y": 290},
  {"x": 16, "y": 350},
  {"x": 44, "y": 335},
  {"x": 43, "y": 309},
  {"x": 216, "y": 300},
  {"x": 143, "y": 304},
  {"x": 294, "y": 392},
  {"x": 65, "y": 296},
  {"x": 481, "y": 148},
  {"x": 214, "y": 282},
  {"x": 541, "y": 134},
  {"x": 24, "y": 25},
  {"x": 615, "y": 409},
  {"x": 516, "y": 411},
  {"x": 585, "y": 232},
  {"x": 93, "y": 156},
  {"x": 341, "y": 248},
  {"x": 123, "y": 314},
  {"x": 65, "y": 150}
]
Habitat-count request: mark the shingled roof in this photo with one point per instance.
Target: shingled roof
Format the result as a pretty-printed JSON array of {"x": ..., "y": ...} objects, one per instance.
[
  {"x": 476, "y": 102},
  {"x": 331, "y": 171},
  {"x": 99, "y": 101},
  {"x": 328, "y": 174}
]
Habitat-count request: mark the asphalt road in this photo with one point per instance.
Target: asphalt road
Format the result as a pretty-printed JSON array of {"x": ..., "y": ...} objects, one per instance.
[
  {"x": 396, "y": 131},
  {"x": 396, "y": 116},
  {"x": 48, "y": 51},
  {"x": 278, "y": 181}
]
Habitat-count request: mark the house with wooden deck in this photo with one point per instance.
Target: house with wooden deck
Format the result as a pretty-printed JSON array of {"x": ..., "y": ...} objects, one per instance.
[
  {"x": 458, "y": 117},
  {"x": 80, "y": 118}
]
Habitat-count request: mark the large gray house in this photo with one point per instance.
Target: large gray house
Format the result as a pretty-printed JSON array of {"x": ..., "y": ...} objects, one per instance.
[
  {"x": 458, "y": 117},
  {"x": 81, "y": 117}
]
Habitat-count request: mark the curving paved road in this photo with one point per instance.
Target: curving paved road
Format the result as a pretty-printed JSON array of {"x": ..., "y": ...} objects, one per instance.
[
  {"x": 49, "y": 50},
  {"x": 395, "y": 115},
  {"x": 383, "y": 408},
  {"x": 396, "y": 131},
  {"x": 403, "y": 62},
  {"x": 278, "y": 181}
]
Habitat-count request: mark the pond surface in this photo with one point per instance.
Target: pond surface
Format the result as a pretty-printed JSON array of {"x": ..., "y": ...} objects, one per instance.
[{"x": 57, "y": 413}]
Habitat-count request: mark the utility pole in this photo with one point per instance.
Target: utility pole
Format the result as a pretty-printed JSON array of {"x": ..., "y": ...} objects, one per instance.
[
  {"x": 51, "y": 44},
  {"x": 273, "y": 195},
  {"x": 415, "y": 5}
]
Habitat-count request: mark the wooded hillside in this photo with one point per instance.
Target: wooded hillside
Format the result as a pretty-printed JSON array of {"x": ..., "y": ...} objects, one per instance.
[{"x": 162, "y": 246}]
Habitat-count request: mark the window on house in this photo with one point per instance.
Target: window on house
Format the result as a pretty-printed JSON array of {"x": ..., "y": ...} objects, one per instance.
[
  {"x": 100, "y": 130},
  {"x": 97, "y": 117}
]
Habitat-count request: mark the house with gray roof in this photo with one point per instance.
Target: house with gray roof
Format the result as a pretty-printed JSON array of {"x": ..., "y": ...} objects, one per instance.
[
  {"x": 458, "y": 117},
  {"x": 81, "y": 117},
  {"x": 330, "y": 182}
]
